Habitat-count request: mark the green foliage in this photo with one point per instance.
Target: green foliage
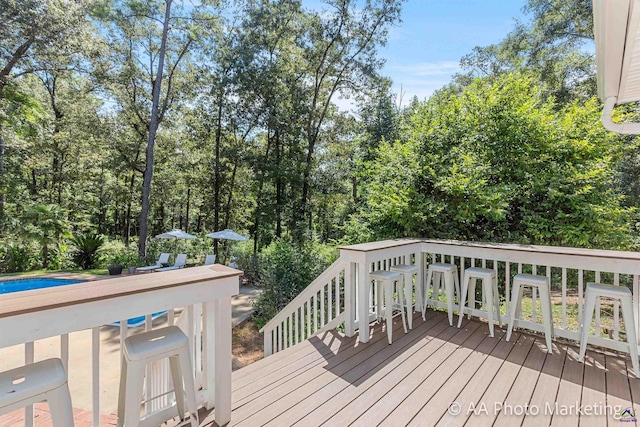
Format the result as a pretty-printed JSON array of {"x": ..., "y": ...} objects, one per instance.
[
  {"x": 285, "y": 270},
  {"x": 15, "y": 257},
  {"x": 498, "y": 162},
  {"x": 47, "y": 224},
  {"x": 86, "y": 248},
  {"x": 115, "y": 252}
]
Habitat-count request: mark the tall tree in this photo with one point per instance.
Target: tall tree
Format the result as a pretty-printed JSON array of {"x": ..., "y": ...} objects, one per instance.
[
  {"x": 31, "y": 32},
  {"x": 341, "y": 57},
  {"x": 151, "y": 76},
  {"x": 557, "y": 44}
]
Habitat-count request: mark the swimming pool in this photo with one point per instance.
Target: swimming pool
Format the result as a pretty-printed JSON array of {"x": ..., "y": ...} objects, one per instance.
[{"x": 19, "y": 285}]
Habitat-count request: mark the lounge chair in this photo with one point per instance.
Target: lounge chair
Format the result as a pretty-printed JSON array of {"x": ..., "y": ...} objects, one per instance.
[
  {"x": 163, "y": 259},
  {"x": 210, "y": 259},
  {"x": 181, "y": 260}
]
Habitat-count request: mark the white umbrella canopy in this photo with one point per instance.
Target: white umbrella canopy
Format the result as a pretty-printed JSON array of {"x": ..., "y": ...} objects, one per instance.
[
  {"x": 175, "y": 234},
  {"x": 227, "y": 234}
]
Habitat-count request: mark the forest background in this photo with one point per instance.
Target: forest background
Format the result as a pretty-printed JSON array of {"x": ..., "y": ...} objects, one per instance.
[{"x": 120, "y": 120}]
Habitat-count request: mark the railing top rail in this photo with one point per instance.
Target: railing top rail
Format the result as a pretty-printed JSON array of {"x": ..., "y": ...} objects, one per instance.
[
  {"x": 380, "y": 245},
  {"x": 558, "y": 250},
  {"x": 16, "y": 303}
]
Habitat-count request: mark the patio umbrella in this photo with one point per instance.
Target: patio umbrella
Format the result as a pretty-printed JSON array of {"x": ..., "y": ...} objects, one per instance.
[
  {"x": 227, "y": 234},
  {"x": 175, "y": 234}
]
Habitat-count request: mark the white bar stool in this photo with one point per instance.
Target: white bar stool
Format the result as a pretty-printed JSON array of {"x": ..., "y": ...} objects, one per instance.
[
  {"x": 623, "y": 294},
  {"x": 385, "y": 284},
  {"x": 142, "y": 349},
  {"x": 489, "y": 293},
  {"x": 535, "y": 282},
  {"x": 407, "y": 271},
  {"x": 439, "y": 272},
  {"x": 37, "y": 382}
]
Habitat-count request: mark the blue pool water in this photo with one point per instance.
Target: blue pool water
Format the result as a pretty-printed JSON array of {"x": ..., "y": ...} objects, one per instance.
[
  {"x": 9, "y": 286},
  {"x": 19, "y": 285}
]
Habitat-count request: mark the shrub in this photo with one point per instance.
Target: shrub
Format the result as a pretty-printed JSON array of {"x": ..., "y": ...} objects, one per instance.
[
  {"x": 285, "y": 271},
  {"x": 115, "y": 252},
  {"x": 86, "y": 248},
  {"x": 15, "y": 258}
]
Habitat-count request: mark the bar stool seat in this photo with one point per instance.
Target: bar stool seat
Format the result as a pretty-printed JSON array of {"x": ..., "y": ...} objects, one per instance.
[
  {"x": 385, "y": 284},
  {"x": 407, "y": 270},
  {"x": 142, "y": 349},
  {"x": 437, "y": 273},
  {"x": 489, "y": 293},
  {"x": 37, "y": 382},
  {"x": 541, "y": 283},
  {"x": 623, "y": 294}
]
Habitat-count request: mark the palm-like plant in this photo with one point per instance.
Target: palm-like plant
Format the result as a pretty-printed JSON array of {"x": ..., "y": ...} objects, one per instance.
[
  {"x": 86, "y": 248},
  {"x": 48, "y": 224}
]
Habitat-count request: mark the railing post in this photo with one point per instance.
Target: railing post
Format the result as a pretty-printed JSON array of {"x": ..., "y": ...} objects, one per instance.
[
  {"x": 419, "y": 256},
  {"x": 350, "y": 299},
  {"x": 363, "y": 300},
  {"x": 222, "y": 357}
]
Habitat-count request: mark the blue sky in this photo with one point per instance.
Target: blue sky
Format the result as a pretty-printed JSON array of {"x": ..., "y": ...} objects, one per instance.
[{"x": 424, "y": 51}]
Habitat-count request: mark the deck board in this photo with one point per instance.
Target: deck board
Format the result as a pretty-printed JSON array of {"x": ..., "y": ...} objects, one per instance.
[
  {"x": 594, "y": 389},
  {"x": 444, "y": 374},
  {"x": 384, "y": 361},
  {"x": 546, "y": 388},
  {"x": 380, "y": 409},
  {"x": 499, "y": 388},
  {"x": 433, "y": 409},
  {"x": 337, "y": 381},
  {"x": 519, "y": 397}
]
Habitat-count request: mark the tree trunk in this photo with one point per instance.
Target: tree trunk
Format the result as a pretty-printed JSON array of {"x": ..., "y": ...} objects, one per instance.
[
  {"x": 186, "y": 221},
  {"x": 260, "y": 177},
  {"x": 227, "y": 208},
  {"x": 153, "y": 129},
  {"x": 278, "y": 186},
  {"x": 216, "y": 183}
]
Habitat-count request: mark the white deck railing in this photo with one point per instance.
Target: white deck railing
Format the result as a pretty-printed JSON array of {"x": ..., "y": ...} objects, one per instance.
[
  {"x": 321, "y": 306},
  {"x": 197, "y": 299},
  {"x": 569, "y": 270}
]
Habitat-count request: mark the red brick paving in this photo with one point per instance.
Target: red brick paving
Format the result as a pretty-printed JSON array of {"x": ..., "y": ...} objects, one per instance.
[{"x": 42, "y": 418}]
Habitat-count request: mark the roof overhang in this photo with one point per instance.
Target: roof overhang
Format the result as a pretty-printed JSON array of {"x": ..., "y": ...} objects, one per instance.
[{"x": 617, "y": 35}]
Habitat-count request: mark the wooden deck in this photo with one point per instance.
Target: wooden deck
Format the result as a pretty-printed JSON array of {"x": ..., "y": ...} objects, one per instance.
[{"x": 332, "y": 380}]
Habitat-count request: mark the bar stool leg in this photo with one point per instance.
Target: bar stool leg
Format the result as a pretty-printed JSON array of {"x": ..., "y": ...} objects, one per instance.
[
  {"x": 60, "y": 406},
  {"x": 176, "y": 378},
  {"x": 547, "y": 315},
  {"x": 408, "y": 297},
  {"x": 379, "y": 297},
  {"x": 519, "y": 303},
  {"x": 463, "y": 295},
  {"x": 456, "y": 281},
  {"x": 399, "y": 293},
  {"x": 448, "y": 286},
  {"x": 134, "y": 384},
  {"x": 388, "y": 310},
  {"x": 496, "y": 297},
  {"x": 189, "y": 385},
  {"x": 630, "y": 329},
  {"x": 487, "y": 291},
  {"x": 426, "y": 293},
  {"x": 585, "y": 324},
  {"x": 515, "y": 300}
]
